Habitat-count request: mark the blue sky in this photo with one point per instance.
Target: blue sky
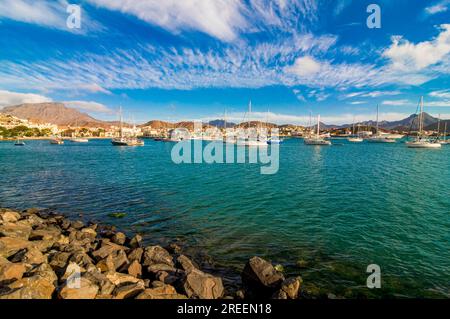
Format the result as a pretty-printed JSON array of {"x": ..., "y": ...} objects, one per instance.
[{"x": 192, "y": 59}]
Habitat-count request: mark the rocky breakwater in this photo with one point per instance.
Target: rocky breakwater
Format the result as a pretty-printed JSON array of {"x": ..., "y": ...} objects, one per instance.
[{"x": 44, "y": 255}]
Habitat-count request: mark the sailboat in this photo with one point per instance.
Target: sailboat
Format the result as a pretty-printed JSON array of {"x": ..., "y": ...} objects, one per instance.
[
  {"x": 19, "y": 143},
  {"x": 57, "y": 141},
  {"x": 379, "y": 138},
  {"x": 420, "y": 141},
  {"x": 251, "y": 140},
  {"x": 444, "y": 141},
  {"x": 355, "y": 138},
  {"x": 316, "y": 139},
  {"x": 125, "y": 141}
]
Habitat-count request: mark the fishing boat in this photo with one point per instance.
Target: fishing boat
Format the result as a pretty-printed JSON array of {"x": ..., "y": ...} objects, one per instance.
[
  {"x": 316, "y": 139},
  {"x": 57, "y": 141},
  {"x": 125, "y": 141},
  {"x": 380, "y": 138},
  {"x": 19, "y": 143},
  {"x": 421, "y": 141}
]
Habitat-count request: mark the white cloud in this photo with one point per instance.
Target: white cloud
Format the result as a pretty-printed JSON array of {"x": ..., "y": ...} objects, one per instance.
[
  {"x": 357, "y": 102},
  {"x": 8, "y": 98},
  {"x": 441, "y": 94},
  {"x": 88, "y": 106},
  {"x": 406, "y": 56},
  {"x": 438, "y": 8},
  {"x": 444, "y": 103},
  {"x": 372, "y": 94},
  {"x": 396, "y": 102},
  {"x": 305, "y": 66}
]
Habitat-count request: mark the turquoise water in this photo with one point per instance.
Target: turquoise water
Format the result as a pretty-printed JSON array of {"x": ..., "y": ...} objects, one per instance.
[{"x": 337, "y": 209}]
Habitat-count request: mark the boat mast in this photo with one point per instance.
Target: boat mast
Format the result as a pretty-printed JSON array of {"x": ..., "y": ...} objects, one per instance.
[
  {"x": 318, "y": 126},
  {"x": 439, "y": 127},
  {"x": 121, "y": 126},
  {"x": 421, "y": 117},
  {"x": 377, "y": 119}
]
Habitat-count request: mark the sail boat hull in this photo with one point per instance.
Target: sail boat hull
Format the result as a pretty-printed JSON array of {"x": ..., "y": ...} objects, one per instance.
[{"x": 423, "y": 144}]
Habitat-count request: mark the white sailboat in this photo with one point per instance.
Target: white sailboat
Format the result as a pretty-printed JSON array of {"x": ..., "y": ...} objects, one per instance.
[
  {"x": 380, "y": 138},
  {"x": 420, "y": 141},
  {"x": 257, "y": 140},
  {"x": 125, "y": 141},
  {"x": 316, "y": 139},
  {"x": 355, "y": 138}
]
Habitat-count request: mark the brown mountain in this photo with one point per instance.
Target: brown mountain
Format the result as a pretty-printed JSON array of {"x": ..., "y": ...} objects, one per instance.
[{"x": 55, "y": 113}]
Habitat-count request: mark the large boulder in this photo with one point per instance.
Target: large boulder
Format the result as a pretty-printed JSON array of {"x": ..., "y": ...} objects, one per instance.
[
  {"x": 81, "y": 289},
  {"x": 118, "y": 278},
  {"x": 9, "y": 245},
  {"x": 260, "y": 276},
  {"x": 9, "y": 216},
  {"x": 16, "y": 230},
  {"x": 119, "y": 238},
  {"x": 29, "y": 255},
  {"x": 10, "y": 271},
  {"x": 200, "y": 285},
  {"x": 129, "y": 291},
  {"x": 135, "y": 254},
  {"x": 34, "y": 287},
  {"x": 157, "y": 255},
  {"x": 107, "y": 248}
]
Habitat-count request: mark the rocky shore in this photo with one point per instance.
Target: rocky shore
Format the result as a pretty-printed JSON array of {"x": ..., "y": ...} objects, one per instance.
[{"x": 44, "y": 255}]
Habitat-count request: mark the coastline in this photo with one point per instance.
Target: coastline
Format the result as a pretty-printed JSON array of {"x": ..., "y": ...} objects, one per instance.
[{"x": 44, "y": 255}]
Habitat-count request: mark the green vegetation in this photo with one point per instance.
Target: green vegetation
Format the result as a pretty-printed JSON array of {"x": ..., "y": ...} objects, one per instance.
[
  {"x": 23, "y": 131},
  {"x": 117, "y": 215}
]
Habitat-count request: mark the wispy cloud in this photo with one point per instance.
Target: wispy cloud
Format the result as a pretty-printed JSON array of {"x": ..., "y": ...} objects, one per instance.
[
  {"x": 89, "y": 106},
  {"x": 439, "y": 7},
  {"x": 441, "y": 94},
  {"x": 396, "y": 102}
]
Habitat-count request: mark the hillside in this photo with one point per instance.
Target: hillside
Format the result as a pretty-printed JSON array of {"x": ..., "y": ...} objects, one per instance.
[{"x": 55, "y": 113}]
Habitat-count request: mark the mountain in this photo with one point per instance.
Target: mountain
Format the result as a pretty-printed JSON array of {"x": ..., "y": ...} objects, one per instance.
[
  {"x": 156, "y": 124},
  {"x": 256, "y": 124},
  {"x": 401, "y": 125},
  {"x": 221, "y": 123},
  {"x": 55, "y": 113},
  {"x": 434, "y": 126}
]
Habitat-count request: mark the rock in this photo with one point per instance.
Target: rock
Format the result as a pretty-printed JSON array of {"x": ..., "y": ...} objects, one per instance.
[
  {"x": 106, "y": 264},
  {"x": 9, "y": 246},
  {"x": 160, "y": 267},
  {"x": 135, "y": 254},
  {"x": 16, "y": 230},
  {"x": 135, "y": 269},
  {"x": 29, "y": 255},
  {"x": 59, "y": 261},
  {"x": 119, "y": 279},
  {"x": 261, "y": 274},
  {"x": 44, "y": 271},
  {"x": 174, "y": 248},
  {"x": 65, "y": 224},
  {"x": 185, "y": 263},
  {"x": 119, "y": 238},
  {"x": 11, "y": 271},
  {"x": 162, "y": 292},
  {"x": 78, "y": 224},
  {"x": 280, "y": 294},
  {"x": 201, "y": 285},
  {"x": 240, "y": 294},
  {"x": 72, "y": 270},
  {"x": 50, "y": 233},
  {"x": 291, "y": 287},
  {"x": 88, "y": 232},
  {"x": 120, "y": 259},
  {"x": 34, "y": 220},
  {"x": 105, "y": 285},
  {"x": 34, "y": 287},
  {"x": 128, "y": 291},
  {"x": 107, "y": 249},
  {"x": 157, "y": 255},
  {"x": 84, "y": 289},
  {"x": 81, "y": 259},
  {"x": 135, "y": 242},
  {"x": 9, "y": 216}
]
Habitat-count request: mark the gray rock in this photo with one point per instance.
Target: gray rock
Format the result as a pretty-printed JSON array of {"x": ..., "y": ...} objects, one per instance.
[{"x": 157, "y": 255}]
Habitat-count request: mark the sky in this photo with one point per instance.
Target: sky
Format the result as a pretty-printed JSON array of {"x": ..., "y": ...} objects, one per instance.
[{"x": 197, "y": 59}]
